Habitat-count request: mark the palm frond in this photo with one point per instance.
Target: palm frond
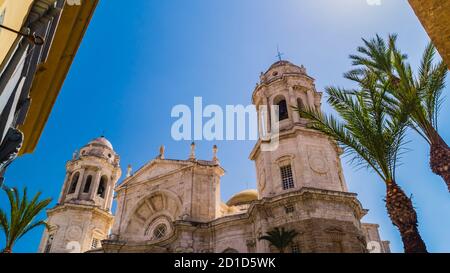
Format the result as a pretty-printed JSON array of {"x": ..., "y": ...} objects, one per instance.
[
  {"x": 20, "y": 219},
  {"x": 423, "y": 91},
  {"x": 279, "y": 237},
  {"x": 371, "y": 131}
]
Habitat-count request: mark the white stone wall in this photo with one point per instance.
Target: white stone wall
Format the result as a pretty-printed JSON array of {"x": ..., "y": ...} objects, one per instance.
[{"x": 74, "y": 228}]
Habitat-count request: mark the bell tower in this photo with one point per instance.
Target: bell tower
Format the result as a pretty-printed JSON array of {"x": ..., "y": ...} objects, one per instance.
[
  {"x": 302, "y": 158},
  {"x": 82, "y": 218}
]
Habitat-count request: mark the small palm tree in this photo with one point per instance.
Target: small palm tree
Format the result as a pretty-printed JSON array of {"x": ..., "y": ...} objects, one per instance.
[
  {"x": 374, "y": 139},
  {"x": 280, "y": 238},
  {"x": 423, "y": 91},
  {"x": 21, "y": 216}
]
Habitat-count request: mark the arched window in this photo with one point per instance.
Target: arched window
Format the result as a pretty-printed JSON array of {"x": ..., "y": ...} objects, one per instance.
[
  {"x": 48, "y": 245},
  {"x": 101, "y": 191},
  {"x": 286, "y": 177},
  {"x": 230, "y": 250},
  {"x": 160, "y": 231},
  {"x": 282, "y": 108},
  {"x": 73, "y": 185},
  {"x": 300, "y": 105},
  {"x": 87, "y": 185}
]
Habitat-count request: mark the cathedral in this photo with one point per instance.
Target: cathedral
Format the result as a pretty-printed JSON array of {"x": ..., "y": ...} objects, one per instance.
[{"x": 175, "y": 206}]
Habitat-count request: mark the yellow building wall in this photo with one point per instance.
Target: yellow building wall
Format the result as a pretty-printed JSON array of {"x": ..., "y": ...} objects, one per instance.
[
  {"x": 16, "y": 12},
  {"x": 435, "y": 17}
]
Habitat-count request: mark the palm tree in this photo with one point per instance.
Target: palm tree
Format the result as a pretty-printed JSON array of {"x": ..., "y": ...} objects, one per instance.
[
  {"x": 423, "y": 91},
  {"x": 21, "y": 216},
  {"x": 280, "y": 238},
  {"x": 374, "y": 139}
]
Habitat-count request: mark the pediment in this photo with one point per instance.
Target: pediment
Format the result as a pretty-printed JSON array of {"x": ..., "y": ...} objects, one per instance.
[{"x": 154, "y": 170}]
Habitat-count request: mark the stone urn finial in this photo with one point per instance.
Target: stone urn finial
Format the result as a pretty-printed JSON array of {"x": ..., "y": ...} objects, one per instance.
[
  {"x": 162, "y": 149},
  {"x": 215, "y": 149},
  {"x": 262, "y": 77},
  {"x": 303, "y": 69},
  {"x": 192, "y": 155},
  {"x": 129, "y": 170}
]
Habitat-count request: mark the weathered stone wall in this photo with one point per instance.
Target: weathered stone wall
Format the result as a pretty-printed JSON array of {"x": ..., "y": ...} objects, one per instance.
[
  {"x": 326, "y": 222},
  {"x": 328, "y": 236},
  {"x": 313, "y": 158},
  {"x": 75, "y": 225},
  {"x": 168, "y": 189},
  {"x": 435, "y": 17}
]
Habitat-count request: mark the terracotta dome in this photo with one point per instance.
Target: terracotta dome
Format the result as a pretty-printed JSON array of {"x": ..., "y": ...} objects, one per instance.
[{"x": 243, "y": 197}]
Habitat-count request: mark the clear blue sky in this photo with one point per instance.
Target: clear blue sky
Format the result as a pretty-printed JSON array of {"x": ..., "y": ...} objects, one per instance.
[{"x": 139, "y": 60}]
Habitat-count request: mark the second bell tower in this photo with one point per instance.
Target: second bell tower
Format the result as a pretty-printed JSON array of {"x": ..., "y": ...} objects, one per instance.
[{"x": 303, "y": 158}]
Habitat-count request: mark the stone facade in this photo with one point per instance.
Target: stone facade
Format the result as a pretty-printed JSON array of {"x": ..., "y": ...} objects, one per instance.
[
  {"x": 435, "y": 17},
  {"x": 175, "y": 205}
]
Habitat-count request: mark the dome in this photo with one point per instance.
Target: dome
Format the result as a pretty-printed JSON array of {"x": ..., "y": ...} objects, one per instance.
[
  {"x": 100, "y": 148},
  {"x": 283, "y": 67},
  {"x": 102, "y": 141},
  {"x": 243, "y": 197},
  {"x": 281, "y": 63}
]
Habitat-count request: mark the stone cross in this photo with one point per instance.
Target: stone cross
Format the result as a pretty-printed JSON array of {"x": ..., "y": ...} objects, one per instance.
[{"x": 279, "y": 55}]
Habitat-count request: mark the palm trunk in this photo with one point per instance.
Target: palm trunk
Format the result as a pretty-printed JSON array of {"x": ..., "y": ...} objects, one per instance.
[
  {"x": 7, "y": 250},
  {"x": 439, "y": 150},
  {"x": 404, "y": 217},
  {"x": 440, "y": 159}
]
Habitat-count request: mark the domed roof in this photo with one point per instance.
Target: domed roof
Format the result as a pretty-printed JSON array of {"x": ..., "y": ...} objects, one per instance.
[
  {"x": 243, "y": 197},
  {"x": 281, "y": 63},
  {"x": 281, "y": 69},
  {"x": 286, "y": 67},
  {"x": 102, "y": 141}
]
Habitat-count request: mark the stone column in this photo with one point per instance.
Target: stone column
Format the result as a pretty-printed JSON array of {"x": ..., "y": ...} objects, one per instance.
[
  {"x": 110, "y": 197},
  {"x": 317, "y": 101},
  {"x": 270, "y": 183},
  {"x": 269, "y": 116},
  {"x": 188, "y": 188},
  {"x": 310, "y": 96},
  {"x": 110, "y": 194},
  {"x": 95, "y": 185},
  {"x": 64, "y": 188},
  {"x": 293, "y": 103},
  {"x": 80, "y": 181}
]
